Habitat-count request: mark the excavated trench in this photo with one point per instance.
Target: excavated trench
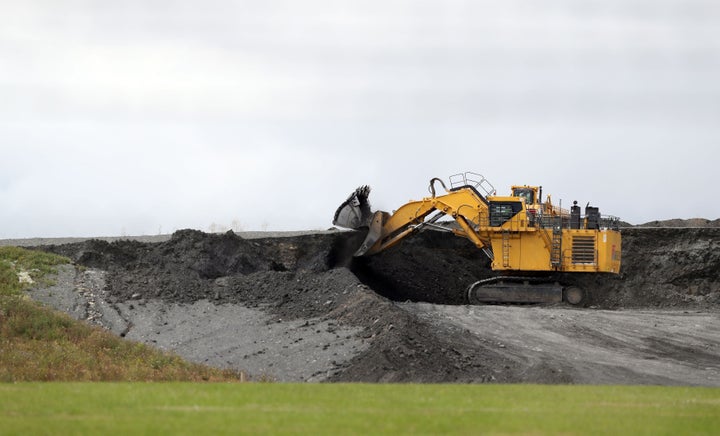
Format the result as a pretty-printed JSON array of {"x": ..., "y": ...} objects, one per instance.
[
  {"x": 431, "y": 267},
  {"x": 315, "y": 277}
]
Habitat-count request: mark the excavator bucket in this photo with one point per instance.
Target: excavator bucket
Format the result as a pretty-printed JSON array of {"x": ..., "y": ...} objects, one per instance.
[
  {"x": 354, "y": 213},
  {"x": 374, "y": 234}
]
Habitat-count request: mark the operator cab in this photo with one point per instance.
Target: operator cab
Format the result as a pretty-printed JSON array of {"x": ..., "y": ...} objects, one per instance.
[
  {"x": 527, "y": 193},
  {"x": 531, "y": 196}
]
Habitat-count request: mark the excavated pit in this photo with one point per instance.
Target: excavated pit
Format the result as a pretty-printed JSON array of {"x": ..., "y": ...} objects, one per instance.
[
  {"x": 316, "y": 277},
  {"x": 432, "y": 267}
]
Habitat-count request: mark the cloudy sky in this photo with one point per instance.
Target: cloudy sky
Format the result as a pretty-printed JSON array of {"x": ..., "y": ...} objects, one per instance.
[{"x": 139, "y": 117}]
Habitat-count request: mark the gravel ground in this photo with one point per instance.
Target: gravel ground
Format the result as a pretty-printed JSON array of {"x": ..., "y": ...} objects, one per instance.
[
  {"x": 220, "y": 335},
  {"x": 233, "y": 336},
  {"x": 593, "y": 346}
]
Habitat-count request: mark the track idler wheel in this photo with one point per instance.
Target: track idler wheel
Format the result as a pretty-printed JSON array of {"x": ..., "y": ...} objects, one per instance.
[{"x": 574, "y": 296}]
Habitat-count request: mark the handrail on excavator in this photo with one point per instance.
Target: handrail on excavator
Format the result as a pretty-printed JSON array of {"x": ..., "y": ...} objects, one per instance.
[{"x": 472, "y": 179}]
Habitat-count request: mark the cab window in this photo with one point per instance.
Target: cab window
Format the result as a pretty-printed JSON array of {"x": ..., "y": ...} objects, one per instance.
[{"x": 525, "y": 193}]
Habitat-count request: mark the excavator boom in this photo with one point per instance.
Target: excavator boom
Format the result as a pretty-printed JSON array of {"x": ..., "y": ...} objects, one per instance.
[{"x": 466, "y": 205}]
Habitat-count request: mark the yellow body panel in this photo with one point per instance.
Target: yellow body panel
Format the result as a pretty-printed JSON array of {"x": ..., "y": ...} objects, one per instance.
[
  {"x": 520, "y": 251},
  {"x": 530, "y": 250},
  {"x": 609, "y": 251}
]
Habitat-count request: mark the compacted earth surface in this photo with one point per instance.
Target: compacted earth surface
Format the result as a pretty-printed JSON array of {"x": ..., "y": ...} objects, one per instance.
[{"x": 299, "y": 307}]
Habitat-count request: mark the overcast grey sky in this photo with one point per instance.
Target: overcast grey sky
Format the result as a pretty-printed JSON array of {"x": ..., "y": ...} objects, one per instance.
[{"x": 136, "y": 117}]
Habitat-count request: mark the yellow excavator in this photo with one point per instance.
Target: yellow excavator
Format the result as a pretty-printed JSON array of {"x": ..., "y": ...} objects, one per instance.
[{"x": 531, "y": 244}]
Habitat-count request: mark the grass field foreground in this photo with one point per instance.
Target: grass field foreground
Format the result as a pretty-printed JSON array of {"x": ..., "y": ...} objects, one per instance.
[
  {"x": 192, "y": 408},
  {"x": 39, "y": 344}
]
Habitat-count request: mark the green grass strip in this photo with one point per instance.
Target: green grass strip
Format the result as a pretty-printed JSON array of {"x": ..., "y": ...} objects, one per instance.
[
  {"x": 36, "y": 264},
  {"x": 190, "y": 408}
]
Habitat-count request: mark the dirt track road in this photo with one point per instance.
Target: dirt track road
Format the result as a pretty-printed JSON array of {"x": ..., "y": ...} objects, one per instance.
[{"x": 592, "y": 346}]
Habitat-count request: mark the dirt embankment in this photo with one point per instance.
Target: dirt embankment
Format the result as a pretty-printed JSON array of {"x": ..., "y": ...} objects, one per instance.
[
  {"x": 666, "y": 267},
  {"x": 314, "y": 280},
  {"x": 683, "y": 223}
]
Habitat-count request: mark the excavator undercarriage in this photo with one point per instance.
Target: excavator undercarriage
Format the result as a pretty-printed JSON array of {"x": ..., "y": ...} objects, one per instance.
[{"x": 531, "y": 244}]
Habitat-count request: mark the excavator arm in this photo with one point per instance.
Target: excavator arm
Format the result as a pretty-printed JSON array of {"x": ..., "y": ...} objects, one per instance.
[{"x": 465, "y": 205}]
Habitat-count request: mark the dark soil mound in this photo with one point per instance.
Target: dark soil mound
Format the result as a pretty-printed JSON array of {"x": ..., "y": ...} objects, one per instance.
[
  {"x": 307, "y": 275},
  {"x": 682, "y": 223},
  {"x": 434, "y": 267},
  {"x": 194, "y": 265},
  {"x": 668, "y": 267}
]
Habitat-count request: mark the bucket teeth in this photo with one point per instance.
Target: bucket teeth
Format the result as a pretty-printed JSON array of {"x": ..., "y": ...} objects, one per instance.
[{"x": 354, "y": 213}]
